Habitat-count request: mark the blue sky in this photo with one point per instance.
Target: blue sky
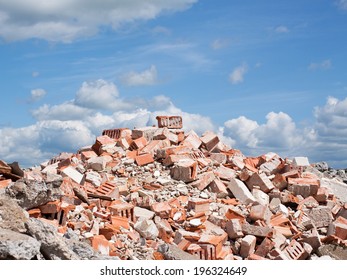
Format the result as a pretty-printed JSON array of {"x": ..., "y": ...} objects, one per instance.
[{"x": 267, "y": 76}]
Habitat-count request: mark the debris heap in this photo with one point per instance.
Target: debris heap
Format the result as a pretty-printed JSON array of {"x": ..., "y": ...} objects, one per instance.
[{"x": 161, "y": 193}]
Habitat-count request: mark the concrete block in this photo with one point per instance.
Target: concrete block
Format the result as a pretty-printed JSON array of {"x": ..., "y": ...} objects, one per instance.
[
  {"x": 320, "y": 216},
  {"x": 240, "y": 191},
  {"x": 73, "y": 174},
  {"x": 301, "y": 162}
]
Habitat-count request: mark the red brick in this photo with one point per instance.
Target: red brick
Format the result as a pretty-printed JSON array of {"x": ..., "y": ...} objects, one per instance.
[
  {"x": 162, "y": 209},
  {"x": 170, "y": 121},
  {"x": 5, "y": 183},
  {"x": 144, "y": 159},
  {"x": 138, "y": 143}
]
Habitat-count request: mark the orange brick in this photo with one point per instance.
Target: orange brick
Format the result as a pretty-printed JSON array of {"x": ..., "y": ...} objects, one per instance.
[
  {"x": 119, "y": 222},
  {"x": 162, "y": 209},
  {"x": 5, "y": 183},
  {"x": 50, "y": 207},
  {"x": 101, "y": 244},
  {"x": 144, "y": 159},
  {"x": 138, "y": 143}
]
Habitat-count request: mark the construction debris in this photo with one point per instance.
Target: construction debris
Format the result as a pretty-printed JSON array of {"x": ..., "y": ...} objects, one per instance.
[{"x": 160, "y": 193}]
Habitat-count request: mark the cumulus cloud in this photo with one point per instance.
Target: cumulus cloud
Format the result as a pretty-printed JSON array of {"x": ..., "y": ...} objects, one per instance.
[
  {"x": 281, "y": 29},
  {"x": 324, "y": 65},
  {"x": 37, "y": 94},
  {"x": 65, "y": 21},
  {"x": 146, "y": 78},
  {"x": 100, "y": 94},
  {"x": 236, "y": 76},
  {"x": 70, "y": 125},
  {"x": 278, "y": 133}
]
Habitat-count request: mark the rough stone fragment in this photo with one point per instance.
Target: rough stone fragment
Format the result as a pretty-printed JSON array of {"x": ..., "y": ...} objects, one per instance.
[
  {"x": 320, "y": 216},
  {"x": 147, "y": 229},
  {"x": 53, "y": 246},
  {"x": 31, "y": 194},
  {"x": 17, "y": 246},
  {"x": 12, "y": 216}
]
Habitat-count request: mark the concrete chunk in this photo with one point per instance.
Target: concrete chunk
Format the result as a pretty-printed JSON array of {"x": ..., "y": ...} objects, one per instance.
[{"x": 240, "y": 191}]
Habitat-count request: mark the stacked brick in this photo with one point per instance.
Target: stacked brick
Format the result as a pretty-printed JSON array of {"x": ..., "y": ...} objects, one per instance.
[{"x": 135, "y": 193}]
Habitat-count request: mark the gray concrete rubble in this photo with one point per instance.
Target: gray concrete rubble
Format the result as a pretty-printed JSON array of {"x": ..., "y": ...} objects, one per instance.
[{"x": 160, "y": 193}]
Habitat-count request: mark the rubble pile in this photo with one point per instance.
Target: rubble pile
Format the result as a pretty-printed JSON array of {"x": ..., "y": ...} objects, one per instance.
[{"x": 161, "y": 193}]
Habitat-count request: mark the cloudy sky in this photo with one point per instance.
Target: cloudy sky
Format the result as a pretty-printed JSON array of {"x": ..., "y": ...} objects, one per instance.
[{"x": 264, "y": 75}]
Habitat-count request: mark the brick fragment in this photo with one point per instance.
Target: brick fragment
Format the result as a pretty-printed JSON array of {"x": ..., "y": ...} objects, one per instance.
[
  {"x": 144, "y": 159},
  {"x": 218, "y": 187},
  {"x": 234, "y": 229},
  {"x": 210, "y": 140},
  {"x": 184, "y": 170},
  {"x": 204, "y": 180},
  {"x": 247, "y": 245},
  {"x": 170, "y": 121},
  {"x": 199, "y": 205},
  {"x": 303, "y": 186}
]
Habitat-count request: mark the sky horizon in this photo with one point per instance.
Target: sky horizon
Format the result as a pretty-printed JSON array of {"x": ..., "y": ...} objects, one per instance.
[{"x": 267, "y": 77}]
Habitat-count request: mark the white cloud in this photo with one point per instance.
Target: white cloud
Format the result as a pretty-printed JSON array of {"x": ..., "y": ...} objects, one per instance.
[
  {"x": 146, "y": 78},
  {"x": 100, "y": 94},
  {"x": 236, "y": 76},
  {"x": 65, "y": 111},
  {"x": 324, "y": 65},
  {"x": 281, "y": 29},
  {"x": 219, "y": 44},
  {"x": 37, "y": 94},
  {"x": 67, "y": 20},
  {"x": 342, "y": 4}
]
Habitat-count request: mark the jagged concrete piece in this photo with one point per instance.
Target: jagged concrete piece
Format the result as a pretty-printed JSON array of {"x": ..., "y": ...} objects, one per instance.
[{"x": 17, "y": 246}]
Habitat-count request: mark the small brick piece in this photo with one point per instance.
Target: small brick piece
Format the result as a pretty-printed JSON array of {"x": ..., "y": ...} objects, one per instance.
[
  {"x": 218, "y": 187},
  {"x": 204, "y": 180},
  {"x": 170, "y": 121},
  {"x": 161, "y": 209},
  {"x": 184, "y": 170},
  {"x": 260, "y": 212},
  {"x": 247, "y": 246},
  {"x": 124, "y": 209},
  {"x": 52, "y": 207},
  {"x": 144, "y": 159},
  {"x": 138, "y": 143},
  {"x": 199, "y": 205},
  {"x": 210, "y": 140},
  {"x": 101, "y": 244},
  {"x": 265, "y": 247}
]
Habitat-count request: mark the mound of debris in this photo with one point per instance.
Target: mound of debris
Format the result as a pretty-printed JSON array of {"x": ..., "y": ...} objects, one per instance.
[{"x": 160, "y": 193}]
